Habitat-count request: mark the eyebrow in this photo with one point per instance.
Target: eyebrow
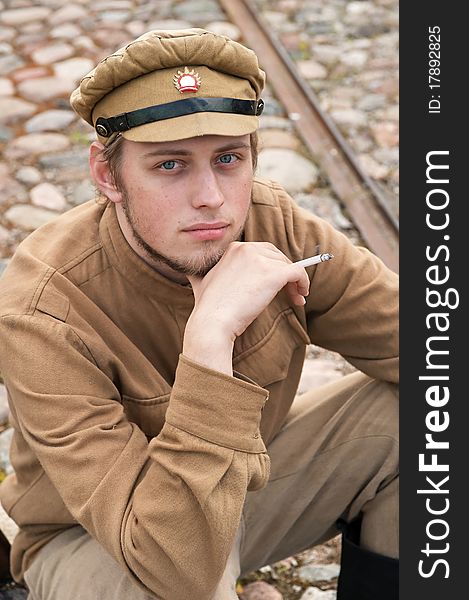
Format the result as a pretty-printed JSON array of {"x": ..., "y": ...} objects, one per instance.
[{"x": 182, "y": 152}]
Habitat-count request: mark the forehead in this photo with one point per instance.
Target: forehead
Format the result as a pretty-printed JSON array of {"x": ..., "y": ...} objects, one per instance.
[{"x": 205, "y": 144}]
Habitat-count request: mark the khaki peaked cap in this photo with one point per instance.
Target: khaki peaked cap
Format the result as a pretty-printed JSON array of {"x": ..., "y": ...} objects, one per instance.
[{"x": 145, "y": 73}]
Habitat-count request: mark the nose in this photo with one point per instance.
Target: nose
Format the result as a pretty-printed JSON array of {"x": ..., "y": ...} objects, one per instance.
[{"x": 206, "y": 191}]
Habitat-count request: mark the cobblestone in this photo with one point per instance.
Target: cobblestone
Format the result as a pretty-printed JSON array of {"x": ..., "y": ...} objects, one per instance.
[
  {"x": 68, "y": 31},
  {"x": 337, "y": 42},
  {"x": 311, "y": 69},
  {"x": 224, "y": 28},
  {"x": 319, "y": 572},
  {"x": 19, "y": 16},
  {"x": 28, "y": 175},
  {"x": 28, "y": 217},
  {"x": 36, "y": 143},
  {"x": 9, "y": 63},
  {"x": 314, "y": 593},
  {"x": 42, "y": 89},
  {"x": 71, "y": 12},
  {"x": 77, "y": 158},
  {"x": 73, "y": 68},
  {"x": 288, "y": 167},
  {"x": 6, "y": 87},
  {"x": 48, "y": 196},
  {"x": 346, "y": 51},
  {"x": 83, "y": 192},
  {"x": 260, "y": 590},
  {"x": 29, "y": 73},
  {"x": 52, "y": 53},
  {"x": 50, "y": 120},
  {"x": 14, "y": 109}
]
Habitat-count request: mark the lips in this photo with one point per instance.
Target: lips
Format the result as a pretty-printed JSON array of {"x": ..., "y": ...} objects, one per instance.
[
  {"x": 205, "y": 226},
  {"x": 207, "y": 231}
]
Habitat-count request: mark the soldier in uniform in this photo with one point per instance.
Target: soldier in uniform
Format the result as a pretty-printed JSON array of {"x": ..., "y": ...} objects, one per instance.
[{"x": 152, "y": 344}]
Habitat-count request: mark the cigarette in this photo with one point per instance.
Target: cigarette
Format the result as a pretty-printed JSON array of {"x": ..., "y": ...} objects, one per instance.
[{"x": 314, "y": 260}]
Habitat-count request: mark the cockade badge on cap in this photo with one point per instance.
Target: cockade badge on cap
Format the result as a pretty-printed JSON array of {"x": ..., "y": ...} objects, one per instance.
[{"x": 187, "y": 80}]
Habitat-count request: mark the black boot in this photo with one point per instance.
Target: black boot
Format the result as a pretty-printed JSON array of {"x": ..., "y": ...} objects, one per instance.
[{"x": 365, "y": 575}]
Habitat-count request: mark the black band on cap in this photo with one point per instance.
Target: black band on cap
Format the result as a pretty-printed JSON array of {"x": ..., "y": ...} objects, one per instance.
[{"x": 160, "y": 112}]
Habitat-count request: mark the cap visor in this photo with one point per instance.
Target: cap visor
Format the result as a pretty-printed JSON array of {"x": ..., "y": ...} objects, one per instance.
[{"x": 193, "y": 125}]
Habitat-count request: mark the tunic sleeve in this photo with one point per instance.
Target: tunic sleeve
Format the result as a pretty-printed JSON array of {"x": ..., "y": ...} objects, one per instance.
[{"x": 167, "y": 510}]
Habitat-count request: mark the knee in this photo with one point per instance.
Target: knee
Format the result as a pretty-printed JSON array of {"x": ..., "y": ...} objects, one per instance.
[
  {"x": 386, "y": 397},
  {"x": 375, "y": 412}
]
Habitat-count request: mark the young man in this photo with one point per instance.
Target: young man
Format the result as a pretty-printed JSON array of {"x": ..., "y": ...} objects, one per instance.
[{"x": 152, "y": 344}]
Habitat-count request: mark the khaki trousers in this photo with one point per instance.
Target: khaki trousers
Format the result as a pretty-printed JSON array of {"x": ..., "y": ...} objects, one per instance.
[{"x": 335, "y": 457}]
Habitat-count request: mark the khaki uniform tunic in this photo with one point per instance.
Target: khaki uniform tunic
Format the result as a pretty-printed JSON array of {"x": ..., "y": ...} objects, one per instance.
[{"x": 150, "y": 452}]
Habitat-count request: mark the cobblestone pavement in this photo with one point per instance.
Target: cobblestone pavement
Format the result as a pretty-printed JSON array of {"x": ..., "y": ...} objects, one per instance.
[{"x": 346, "y": 50}]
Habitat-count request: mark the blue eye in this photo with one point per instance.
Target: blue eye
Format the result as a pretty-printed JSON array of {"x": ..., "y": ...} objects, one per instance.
[
  {"x": 168, "y": 165},
  {"x": 226, "y": 159}
]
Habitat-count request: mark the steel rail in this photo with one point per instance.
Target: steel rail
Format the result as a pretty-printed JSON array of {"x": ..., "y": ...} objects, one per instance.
[{"x": 359, "y": 194}]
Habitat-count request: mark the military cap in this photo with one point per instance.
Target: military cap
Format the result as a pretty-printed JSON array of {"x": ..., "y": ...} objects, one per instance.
[{"x": 171, "y": 85}]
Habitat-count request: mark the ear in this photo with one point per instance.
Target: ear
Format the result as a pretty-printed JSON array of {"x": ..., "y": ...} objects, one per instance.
[{"x": 102, "y": 175}]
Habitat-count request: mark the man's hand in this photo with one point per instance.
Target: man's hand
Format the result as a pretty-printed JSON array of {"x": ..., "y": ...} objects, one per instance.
[{"x": 233, "y": 294}]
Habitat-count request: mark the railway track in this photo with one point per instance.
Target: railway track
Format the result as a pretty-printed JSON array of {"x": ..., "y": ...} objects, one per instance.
[{"x": 361, "y": 197}]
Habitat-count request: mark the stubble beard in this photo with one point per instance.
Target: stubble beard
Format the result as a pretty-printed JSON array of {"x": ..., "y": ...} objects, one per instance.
[{"x": 197, "y": 266}]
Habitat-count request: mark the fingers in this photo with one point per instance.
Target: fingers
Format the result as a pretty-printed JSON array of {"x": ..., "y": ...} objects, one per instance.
[
  {"x": 299, "y": 276},
  {"x": 298, "y": 286},
  {"x": 297, "y": 298},
  {"x": 248, "y": 264}
]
